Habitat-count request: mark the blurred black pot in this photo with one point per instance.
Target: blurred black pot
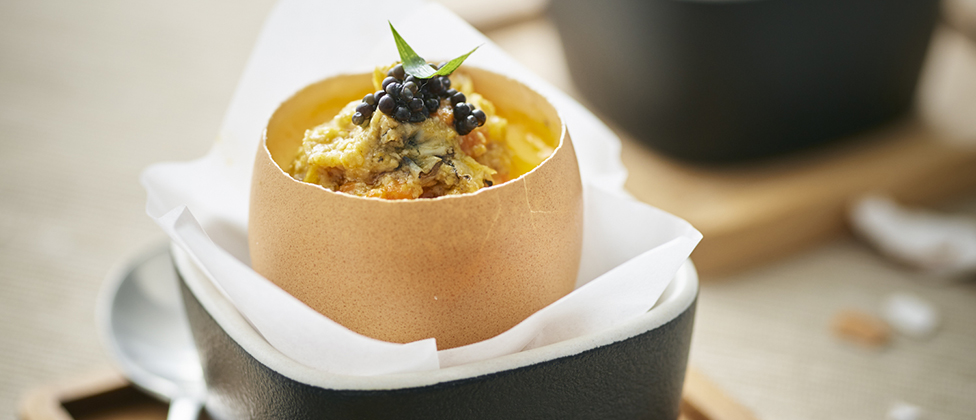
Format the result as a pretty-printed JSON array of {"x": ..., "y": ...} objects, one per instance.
[{"x": 733, "y": 80}]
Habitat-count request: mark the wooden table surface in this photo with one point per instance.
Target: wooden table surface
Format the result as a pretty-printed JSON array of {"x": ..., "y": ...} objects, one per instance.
[{"x": 92, "y": 92}]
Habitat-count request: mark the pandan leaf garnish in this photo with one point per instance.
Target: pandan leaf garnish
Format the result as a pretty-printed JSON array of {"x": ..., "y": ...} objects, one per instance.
[{"x": 416, "y": 66}]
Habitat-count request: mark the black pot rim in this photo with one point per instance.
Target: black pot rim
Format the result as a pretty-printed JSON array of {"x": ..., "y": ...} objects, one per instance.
[{"x": 677, "y": 298}]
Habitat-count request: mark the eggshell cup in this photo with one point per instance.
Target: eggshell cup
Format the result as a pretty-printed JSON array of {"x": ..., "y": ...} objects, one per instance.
[
  {"x": 634, "y": 370},
  {"x": 458, "y": 268}
]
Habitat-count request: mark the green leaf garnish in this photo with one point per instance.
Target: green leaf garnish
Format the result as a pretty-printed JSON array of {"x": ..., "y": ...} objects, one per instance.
[{"x": 416, "y": 66}]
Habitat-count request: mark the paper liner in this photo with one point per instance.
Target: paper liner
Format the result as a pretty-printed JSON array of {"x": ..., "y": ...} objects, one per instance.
[{"x": 630, "y": 251}]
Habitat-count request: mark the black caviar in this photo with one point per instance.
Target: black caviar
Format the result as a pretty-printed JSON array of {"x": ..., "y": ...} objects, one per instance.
[{"x": 409, "y": 99}]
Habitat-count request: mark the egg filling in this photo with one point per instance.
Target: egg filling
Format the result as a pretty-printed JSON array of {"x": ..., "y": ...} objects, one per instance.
[{"x": 386, "y": 158}]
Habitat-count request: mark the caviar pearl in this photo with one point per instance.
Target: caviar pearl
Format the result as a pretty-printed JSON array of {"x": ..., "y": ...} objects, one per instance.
[
  {"x": 393, "y": 89},
  {"x": 386, "y": 104},
  {"x": 434, "y": 86},
  {"x": 461, "y": 110},
  {"x": 480, "y": 116},
  {"x": 398, "y": 71},
  {"x": 457, "y": 98},
  {"x": 358, "y": 118},
  {"x": 470, "y": 122},
  {"x": 365, "y": 109},
  {"x": 416, "y": 104},
  {"x": 402, "y": 114},
  {"x": 411, "y": 86}
]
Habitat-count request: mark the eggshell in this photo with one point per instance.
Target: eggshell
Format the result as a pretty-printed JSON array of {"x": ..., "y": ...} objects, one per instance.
[{"x": 458, "y": 268}]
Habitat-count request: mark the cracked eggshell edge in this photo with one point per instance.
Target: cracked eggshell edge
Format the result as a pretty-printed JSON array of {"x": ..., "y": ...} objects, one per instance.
[{"x": 460, "y": 268}]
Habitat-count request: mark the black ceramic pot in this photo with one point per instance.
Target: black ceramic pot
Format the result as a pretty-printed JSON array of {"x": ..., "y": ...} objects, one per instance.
[
  {"x": 732, "y": 80},
  {"x": 632, "y": 371}
]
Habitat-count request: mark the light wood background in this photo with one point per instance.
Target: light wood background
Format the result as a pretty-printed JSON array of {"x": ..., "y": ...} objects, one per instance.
[{"x": 91, "y": 92}]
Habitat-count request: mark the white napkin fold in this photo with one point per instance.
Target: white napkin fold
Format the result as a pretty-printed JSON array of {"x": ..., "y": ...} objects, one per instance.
[{"x": 630, "y": 250}]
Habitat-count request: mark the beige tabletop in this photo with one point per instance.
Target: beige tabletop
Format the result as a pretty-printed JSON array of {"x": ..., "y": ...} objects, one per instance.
[{"x": 92, "y": 92}]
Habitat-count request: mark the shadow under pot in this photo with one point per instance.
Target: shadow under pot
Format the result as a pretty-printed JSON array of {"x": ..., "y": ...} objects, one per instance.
[
  {"x": 634, "y": 370},
  {"x": 737, "y": 80}
]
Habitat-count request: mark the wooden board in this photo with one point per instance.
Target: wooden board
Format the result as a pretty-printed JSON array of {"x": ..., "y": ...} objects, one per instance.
[
  {"x": 101, "y": 396},
  {"x": 752, "y": 214},
  {"x": 108, "y": 396}
]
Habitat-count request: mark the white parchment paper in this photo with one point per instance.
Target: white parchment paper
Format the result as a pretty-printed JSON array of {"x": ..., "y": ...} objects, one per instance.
[{"x": 630, "y": 250}]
